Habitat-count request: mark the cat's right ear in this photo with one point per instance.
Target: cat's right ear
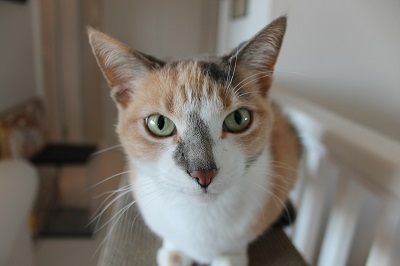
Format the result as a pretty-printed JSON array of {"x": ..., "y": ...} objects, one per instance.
[{"x": 121, "y": 66}]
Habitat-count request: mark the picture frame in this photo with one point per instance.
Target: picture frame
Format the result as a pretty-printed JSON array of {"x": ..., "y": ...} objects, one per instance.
[{"x": 239, "y": 8}]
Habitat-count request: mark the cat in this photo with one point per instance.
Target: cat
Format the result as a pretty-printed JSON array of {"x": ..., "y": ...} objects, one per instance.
[{"x": 204, "y": 134}]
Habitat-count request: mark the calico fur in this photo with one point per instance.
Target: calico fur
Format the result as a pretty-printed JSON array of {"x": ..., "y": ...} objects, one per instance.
[{"x": 255, "y": 168}]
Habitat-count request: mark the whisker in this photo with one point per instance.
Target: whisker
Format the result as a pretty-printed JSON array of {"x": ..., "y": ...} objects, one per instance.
[
  {"x": 251, "y": 76},
  {"x": 139, "y": 211},
  {"x": 123, "y": 189},
  {"x": 115, "y": 215},
  {"x": 108, "y": 178},
  {"x": 250, "y": 81},
  {"x": 234, "y": 67},
  {"x": 273, "y": 173},
  {"x": 285, "y": 179},
  {"x": 264, "y": 74},
  {"x": 108, "y": 205},
  {"x": 112, "y": 192},
  {"x": 277, "y": 199},
  {"x": 260, "y": 207},
  {"x": 282, "y": 188},
  {"x": 283, "y": 165},
  {"x": 229, "y": 71},
  {"x": 284, "y": 207},
  {"x": 120, "y": 213},
  {"x": 104, "y": 150},
  {"x": 113, "y": 221},
  {"x": 245, "y": 93},
  {"x": 108, "y": 234}
]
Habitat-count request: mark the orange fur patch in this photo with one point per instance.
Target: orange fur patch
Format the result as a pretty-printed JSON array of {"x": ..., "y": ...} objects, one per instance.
[
  {"x": 285, "y": 152},
  {"x": 175, "y": 258}
]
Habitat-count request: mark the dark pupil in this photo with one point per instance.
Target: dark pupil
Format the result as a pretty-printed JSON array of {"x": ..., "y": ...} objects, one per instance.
[
  {"x": 161, "y": 122},
  {"x": 238, "y": 117}
]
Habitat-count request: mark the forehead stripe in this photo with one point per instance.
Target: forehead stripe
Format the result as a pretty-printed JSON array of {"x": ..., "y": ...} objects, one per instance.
[{"x": 214, "y": 71}]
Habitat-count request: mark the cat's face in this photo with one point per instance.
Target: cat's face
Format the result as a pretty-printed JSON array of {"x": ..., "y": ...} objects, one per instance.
[
  {"x": 193, "y": 126},
  {"x": 196, "y": 113}
]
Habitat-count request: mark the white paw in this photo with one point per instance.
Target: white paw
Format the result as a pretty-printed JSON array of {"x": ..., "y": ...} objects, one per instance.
[
  {"x": 167, "y": 257},
  {"x": 231, "y": 260}
]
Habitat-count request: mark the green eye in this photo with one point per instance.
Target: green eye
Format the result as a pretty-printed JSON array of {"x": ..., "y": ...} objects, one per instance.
[
  {"x": 160, "y": 125},
  {"x": 237, "y": 121}
]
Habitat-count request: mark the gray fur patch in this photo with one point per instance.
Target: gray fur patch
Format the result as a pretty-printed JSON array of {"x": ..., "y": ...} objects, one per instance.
[
  {"x": 214, "y": 71},
  {"x": 250, "y": 161},
  {"x": 194, "y": 150}
]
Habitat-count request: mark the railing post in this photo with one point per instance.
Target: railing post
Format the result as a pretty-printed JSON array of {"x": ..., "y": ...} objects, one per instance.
[
  {"x": 371, "y": 175},
  {"x": 342, "y": 222},
  {"x": 385, "y": 249},
  {"x": 312, "y": 210}
]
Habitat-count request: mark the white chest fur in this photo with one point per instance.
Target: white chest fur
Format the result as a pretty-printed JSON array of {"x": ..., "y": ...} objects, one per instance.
[{"x": 206, "y": 230}]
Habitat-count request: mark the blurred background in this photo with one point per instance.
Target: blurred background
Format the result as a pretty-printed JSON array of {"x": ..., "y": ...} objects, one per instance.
[{"x": 342, "y": 55}]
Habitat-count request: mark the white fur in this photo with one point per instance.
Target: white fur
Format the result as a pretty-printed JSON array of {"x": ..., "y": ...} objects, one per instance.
[{"x": 212, "y": 227}]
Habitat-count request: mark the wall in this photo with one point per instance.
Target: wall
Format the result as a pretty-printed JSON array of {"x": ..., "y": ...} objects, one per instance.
[
  {"x": 17, "y": 75},
  {"x": 345, "y": 56}
]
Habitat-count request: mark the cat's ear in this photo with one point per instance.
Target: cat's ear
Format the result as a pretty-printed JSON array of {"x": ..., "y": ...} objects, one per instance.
[
  {"x": 122, "y": 67},
  {"x": 259, "y": 54}
]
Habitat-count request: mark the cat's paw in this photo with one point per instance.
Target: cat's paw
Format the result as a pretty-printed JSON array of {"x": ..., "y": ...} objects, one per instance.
[
  {"x": 167, "y": 257},
  {"x": 231, "y": 260}
]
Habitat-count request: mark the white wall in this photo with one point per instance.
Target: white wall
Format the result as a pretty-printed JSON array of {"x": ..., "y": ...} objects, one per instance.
[
  {"x": 345, "y": 56},
  {"x": 17, "y": 75}
]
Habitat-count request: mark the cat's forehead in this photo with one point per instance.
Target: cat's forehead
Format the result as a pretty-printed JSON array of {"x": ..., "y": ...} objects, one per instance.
[
  {"x": 210, "y": 87},
  {"x": 199, "y": 70},
  {"x": 193, "y": 83},
  {"x": 213, "y": 68}
]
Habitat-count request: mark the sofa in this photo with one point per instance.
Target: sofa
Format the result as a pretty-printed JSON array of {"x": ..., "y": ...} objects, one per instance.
[{"x": 18, "y": 189}]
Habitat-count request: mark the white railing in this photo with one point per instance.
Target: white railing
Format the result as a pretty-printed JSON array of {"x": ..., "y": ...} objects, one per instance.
[{"x": 348, "y": 191}]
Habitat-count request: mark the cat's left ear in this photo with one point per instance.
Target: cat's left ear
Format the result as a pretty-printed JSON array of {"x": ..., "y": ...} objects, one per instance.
[
  {"x": 259, "y": 54},
  {"x": 121, "y": 66}
]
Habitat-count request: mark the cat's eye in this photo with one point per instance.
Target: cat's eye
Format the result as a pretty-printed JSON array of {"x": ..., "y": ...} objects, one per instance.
[
  {"x": 237, "y": 121},
  {"x": 160, "y": 125}
]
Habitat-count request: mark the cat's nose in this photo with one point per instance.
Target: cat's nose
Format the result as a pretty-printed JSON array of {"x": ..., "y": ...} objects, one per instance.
[{"x": 204, "y": 177}]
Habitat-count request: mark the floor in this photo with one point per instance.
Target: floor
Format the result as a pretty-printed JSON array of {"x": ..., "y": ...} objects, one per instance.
[
  {"x": 67, "y": 252},
  {"x": 83, "y": 251}
]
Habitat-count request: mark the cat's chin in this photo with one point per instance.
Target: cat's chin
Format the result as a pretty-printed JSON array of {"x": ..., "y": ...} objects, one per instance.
[{"x": 204, "y": 197}]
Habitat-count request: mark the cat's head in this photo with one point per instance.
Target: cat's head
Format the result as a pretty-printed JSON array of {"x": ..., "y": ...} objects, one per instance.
[{"x": 196, "y": 125}]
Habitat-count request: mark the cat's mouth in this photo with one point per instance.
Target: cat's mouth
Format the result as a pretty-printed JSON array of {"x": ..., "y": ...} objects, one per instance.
[{"x": 202, "y": 195}]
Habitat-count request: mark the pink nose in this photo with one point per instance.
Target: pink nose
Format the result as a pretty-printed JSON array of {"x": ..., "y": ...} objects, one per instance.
[{"x": 204, "y": 177}]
